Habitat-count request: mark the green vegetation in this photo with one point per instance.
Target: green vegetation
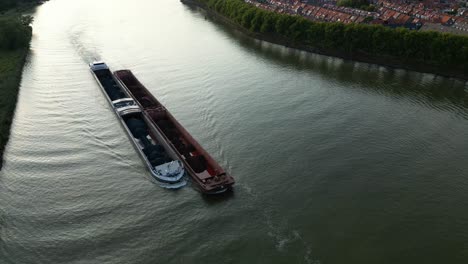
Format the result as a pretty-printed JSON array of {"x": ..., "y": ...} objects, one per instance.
[
  {"x": 416, "y": 47},
  {"x": 15, "y": 32},
  {"x": 361, "y": 4},
  {"x": 10, "y": 4},
  {"x": 352, "y": 3},
  {"x": 11, "y": 65},
  {"x": 15, "y": 36}
]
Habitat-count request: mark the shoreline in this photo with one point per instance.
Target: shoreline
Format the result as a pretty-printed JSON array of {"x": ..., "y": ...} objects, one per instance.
[
  {"x": 12, "y": 63},
  {"x": 11, "y": 73},
  {"x": 386, "y": 61}
]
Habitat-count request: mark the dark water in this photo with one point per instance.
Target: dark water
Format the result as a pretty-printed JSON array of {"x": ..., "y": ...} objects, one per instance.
[{"x": 335, "y": 161}]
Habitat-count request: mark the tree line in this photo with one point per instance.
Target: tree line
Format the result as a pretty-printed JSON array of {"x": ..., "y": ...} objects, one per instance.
[
  {"x": 428, "y": 47},
  {"x": 8, "y": 4}
]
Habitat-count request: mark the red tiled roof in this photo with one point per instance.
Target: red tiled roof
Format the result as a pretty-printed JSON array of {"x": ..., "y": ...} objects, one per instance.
[{"x": 445, "y": 19}]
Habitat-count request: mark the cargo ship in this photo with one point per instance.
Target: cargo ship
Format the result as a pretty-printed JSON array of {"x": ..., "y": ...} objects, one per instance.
[
  {"x": 160, "y": 159},
  {"x": 208, "y": 175}
]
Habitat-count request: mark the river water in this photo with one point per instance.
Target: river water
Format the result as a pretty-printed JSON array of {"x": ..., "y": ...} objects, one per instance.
[{"x": 335, "y": 161}]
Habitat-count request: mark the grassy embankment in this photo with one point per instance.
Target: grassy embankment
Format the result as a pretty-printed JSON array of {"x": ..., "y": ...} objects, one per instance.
[
  {"x": 15, "y": 36},
  {"x": 434, "y": 52}
]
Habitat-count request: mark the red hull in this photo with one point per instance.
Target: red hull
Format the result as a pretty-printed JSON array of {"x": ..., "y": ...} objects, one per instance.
[{"x": 204, "y": 170}]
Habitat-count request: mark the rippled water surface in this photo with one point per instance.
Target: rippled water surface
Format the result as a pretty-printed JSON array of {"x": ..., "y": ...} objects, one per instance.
[{"x": 335, "y": 161}]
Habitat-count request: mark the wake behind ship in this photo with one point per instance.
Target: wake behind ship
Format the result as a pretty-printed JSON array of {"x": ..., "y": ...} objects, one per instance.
[{"x": 161, "y": 160}]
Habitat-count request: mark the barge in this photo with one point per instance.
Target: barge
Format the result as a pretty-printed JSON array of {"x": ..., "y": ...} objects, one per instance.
[
  {"x": 208, "y": 175},
  {"x": 160, "y": 159}
]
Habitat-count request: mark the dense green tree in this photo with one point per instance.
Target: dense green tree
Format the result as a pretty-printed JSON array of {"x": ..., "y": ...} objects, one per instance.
[
  {"x": 257, "y": 21},
  {"x": 15, "y": 32},
  {"x": 247, "y": 17},
  {"x": 6, "y": 4}
]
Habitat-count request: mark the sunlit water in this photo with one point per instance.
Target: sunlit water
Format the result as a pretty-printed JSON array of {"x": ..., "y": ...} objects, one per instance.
[{"x": 335, "y": 161}]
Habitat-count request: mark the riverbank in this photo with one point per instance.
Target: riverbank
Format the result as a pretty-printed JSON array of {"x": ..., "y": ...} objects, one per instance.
[
  {"x": 452, "y": 71},
  {"x": 16, "y": 35},
  {"x": 11, "y": 68}
]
